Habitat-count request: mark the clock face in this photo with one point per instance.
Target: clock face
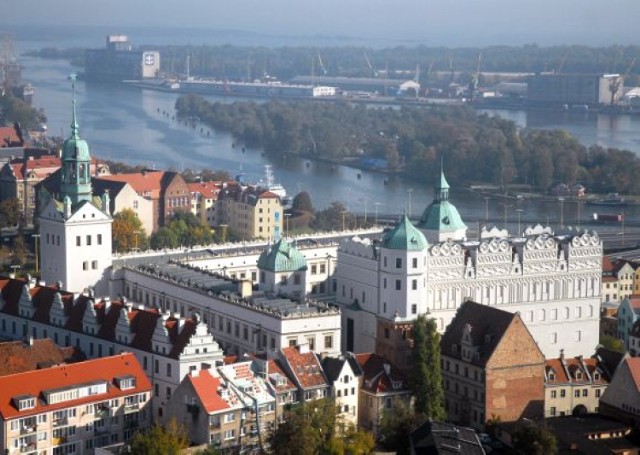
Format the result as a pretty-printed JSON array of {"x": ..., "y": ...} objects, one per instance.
[
  {"x": 149, "y": 59},
  {"x": 445, "y": 220}
]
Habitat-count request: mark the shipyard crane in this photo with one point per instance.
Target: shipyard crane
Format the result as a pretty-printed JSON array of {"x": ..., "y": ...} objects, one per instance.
[
  {"x": 565, "y": 56},
  {"x": 324, "y": 70},
  {"x": 374, "y": 73},
  {"x": 616, "y": 82},
  {"x": 473, "y": 83}
]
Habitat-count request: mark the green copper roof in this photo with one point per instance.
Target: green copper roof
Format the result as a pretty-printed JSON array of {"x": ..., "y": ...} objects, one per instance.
[
  {"x": 441, "y": 216},
  {"x": 282, "y": 257},
  {"x": 404, "y": 236},
  {"x": 444, "y": 185},
  {"x": 74, "y": 147}
]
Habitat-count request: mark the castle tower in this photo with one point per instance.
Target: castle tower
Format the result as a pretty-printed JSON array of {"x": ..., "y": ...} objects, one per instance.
[
  {"x": 441, "y": 220},
  {"x": 75, "y": 231}
]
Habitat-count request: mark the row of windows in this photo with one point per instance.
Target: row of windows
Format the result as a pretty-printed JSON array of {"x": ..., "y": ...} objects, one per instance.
[
  {"x": 577, "y": 393},
  {"x": 88, "y": 240},
  {"x": 414, "y": 262}
]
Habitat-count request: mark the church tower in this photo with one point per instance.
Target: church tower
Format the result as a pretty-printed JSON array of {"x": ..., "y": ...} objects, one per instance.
[
  {"x": 75, "y": 231},
  {"x": 441, "y": 220}
]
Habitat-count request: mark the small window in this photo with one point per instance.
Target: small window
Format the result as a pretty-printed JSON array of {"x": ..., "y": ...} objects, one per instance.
[
  {"x": 94, "y": 265},
  {"x": 398, "y": 263},
  {"x": 85, "y": 265},
  {"x": 398, "y": 285},
  {"x": 414, "y": 309},
  {"x": 88, "y": 240},
  {"x": 99, "y": 239},
  {"x": 78, "y": 241},
  {"x": 415, "y": 263}
]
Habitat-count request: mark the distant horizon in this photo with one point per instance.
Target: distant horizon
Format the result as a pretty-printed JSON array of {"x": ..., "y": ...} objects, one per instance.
[{"x": 374, "y": 23}]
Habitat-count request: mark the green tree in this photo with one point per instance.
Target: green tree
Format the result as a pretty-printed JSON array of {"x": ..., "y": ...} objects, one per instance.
[
  {"x": 333, "y": 218},
  {"x": 425, "y": 378},
  {"x": 168, "y": 440},
  {"x": 128, "y": 232},
  {"x": 163, "y": 238},
  {"x": 302, "y": 202},
  {"x": 315, "y": 428},
  {"x": 20, "y": 250},
  {"x": 612, "y": 343},
  {"x": 529, "y": 439},
  {"x": 396, "y": 426},
  {"x": 10, "y": 212}
]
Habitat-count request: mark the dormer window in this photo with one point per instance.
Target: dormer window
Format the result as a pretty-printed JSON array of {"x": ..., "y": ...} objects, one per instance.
[
  {"x": 454, "y": 348},
  {"x": 596, "y": 376},
  {"x": 578, "y": 374},
  {"x": 552, "y": 375},
  {"x": 126, "y": 382},
  {"x": 24, "y": 402}
]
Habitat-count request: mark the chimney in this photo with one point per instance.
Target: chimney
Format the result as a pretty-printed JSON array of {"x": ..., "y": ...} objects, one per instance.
[
  {"x": 245, "y": 288},
  {"x": 107, "y": 303},
  {"x": 303, "y": 348},
  {"x": 105, "y": 202},
  {"x": 31, "y": 341},
  {"x": 195, "y": 373},
  {"x": 387, "y": 368},
  {"x": 562, "y": 355},
  {"x": 12, "y": 275}
]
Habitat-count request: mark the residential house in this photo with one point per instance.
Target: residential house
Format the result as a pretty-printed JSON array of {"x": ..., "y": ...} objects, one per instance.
[
  {"x": 436, "y": 438},
  {"x": 621, "y": 400},
  {"x": 628, "y": 313},
  {"x": 382, "y": 386},
  {"x": 625, "y": 272},
  {"x": 208, "y": 408},
  {"x": 593, "y": 434},
  {"x": 167, "y": 191},
  {"x": 259, "y": 405},
  {"x": 303, "y": 366},
  {"x": 280, "y": 384},
  {"x": 609, "y": 281},
  {"x": 250, "y": 212},
  {"x": 74, "y": 408},
  {"x": 491, "y": 366},
  {"x": 204, "y": 196},
  {"x": 123, "y": 196},
  {"x": 573, "y": 386},
  {"x": 343, "y": 374}
]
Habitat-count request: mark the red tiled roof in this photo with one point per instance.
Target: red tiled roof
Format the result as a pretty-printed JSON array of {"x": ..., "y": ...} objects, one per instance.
[
  {"x": 9, "y": 137},
  {"x": 375, "y": 378},
  {"x": 573, "y": 366},
  {"x": 268, "y": 195},
  {"x": 208, "y": 190},
  {"x": 607, "y": 265},
  {"x": 34, "y": 383},
  {"x": 146, "y": 184},
  {"x": 305, "y": 367},
  {"x": 208, "y": 387},
  {"x": 273, "y": 367},
  {"x": 18, "y": 357},
  {"x": 42, "y": 167},
  {"x": 634, "y": 368},
  {"x": 609, "y": 279}
]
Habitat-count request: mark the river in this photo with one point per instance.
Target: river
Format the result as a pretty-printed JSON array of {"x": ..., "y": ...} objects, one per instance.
[{"x": 137, "y": 126}]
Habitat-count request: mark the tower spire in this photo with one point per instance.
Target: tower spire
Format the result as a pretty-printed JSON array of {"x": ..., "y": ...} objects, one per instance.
[{"x": 74, "y": 123}]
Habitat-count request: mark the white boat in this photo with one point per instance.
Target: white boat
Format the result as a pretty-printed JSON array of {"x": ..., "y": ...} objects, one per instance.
[{"x": 276, "y": 188}]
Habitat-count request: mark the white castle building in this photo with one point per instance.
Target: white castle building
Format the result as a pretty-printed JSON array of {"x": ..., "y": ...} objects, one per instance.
[
  {"x": 551, "y": 278},
  {"x": 75, "y": 231}
]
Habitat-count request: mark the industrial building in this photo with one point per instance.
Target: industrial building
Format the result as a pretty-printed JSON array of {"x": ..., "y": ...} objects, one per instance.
[
  {"x": 575, "y": 90},
  {"x": 118, "y": 61}
]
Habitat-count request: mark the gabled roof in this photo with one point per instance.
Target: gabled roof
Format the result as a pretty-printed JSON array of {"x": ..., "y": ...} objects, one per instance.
[
  {"x": 488, "y": 325},
  {"x": 282, "y": 257},
  {"x": 34, "y": 383},
  {"x": 304, "y": 367},
  {"x": 435, "y": 438},
  {"x": 208, "y": 190},
  {"x": 607, "y": 266},
  {"x": 9, "y": 137},
  {"x": 242, "y": 376},
  {"x": 566, "y": 371},
  {"x": 18, "y": 357},
  {"x": 404, "y": 236},
  {"x": 277, "y": 374},
  {"x": 147, "y": 183},
  {"x": 380, "y": 376},
  {"x": 209, "y": 390},
  {"x": 634, "y": 368}
]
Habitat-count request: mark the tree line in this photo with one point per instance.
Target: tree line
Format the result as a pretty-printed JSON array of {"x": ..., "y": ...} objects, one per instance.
[{"x": 475, "y": 147}]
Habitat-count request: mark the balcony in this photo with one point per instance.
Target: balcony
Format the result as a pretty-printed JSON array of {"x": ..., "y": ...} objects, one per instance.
[
  {"x": 100, "y": 429},
  {"x": 28, "y": 429},
  {"x": 28, "y": 448},
  {"x": 133, "y": 407},
  {"x": 131, "y": 424},
  {"x": 214, "y": 425},
  {"x": 58, "y": 441},
  {"x": 101, "y": 413},
  {"x": 61, "y": 421}
]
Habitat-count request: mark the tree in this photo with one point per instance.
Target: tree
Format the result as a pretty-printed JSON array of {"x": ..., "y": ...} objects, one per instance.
[
  {"x": 396, "y": 426},
  {"x": 529, "y": 439},
  {"x": 20, "y": 250},
  {"x": 163, "y": 238},
  {"x": 612, "y": 343},
  {"x": 168, "y": 440},
  {"x": 302, "y": 203},
  {"x": 315, "y": 427},
  {"x": 128, "y": 232},
  {"x": 334, "y": 218},
  {"x": 426, "y": 375},
  {"x": 9, "y": 212}
]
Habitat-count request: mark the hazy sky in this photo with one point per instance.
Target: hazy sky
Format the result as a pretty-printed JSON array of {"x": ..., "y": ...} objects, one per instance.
[{"x": 432, "y": 22}]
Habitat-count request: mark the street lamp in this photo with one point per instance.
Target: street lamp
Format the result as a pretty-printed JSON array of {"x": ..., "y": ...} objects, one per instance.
[
  {"x": 519, "y": 226},
  {"x": 376, "y": 204},
  {"x": 561, "y": 199},
  {"x": 344, "y": 212},
  {"x": 410, "y": 191},
  {"x": 486, "y": 209},
  {"x": 36, "y": 238},
  {"x": 286, "y": 217}
]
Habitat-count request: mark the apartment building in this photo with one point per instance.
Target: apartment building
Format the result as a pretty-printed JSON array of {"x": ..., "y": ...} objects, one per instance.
[
  {"x": 573, "y": 386},
  {"x": 250, "y": 212},
  {"x": 74, "y": 408},
  {"x": 166, "y": 345},
  {"x": 343, "y": 374},
  {"x": 305, "y": 369},
  {"x": 621, "y": 400}
]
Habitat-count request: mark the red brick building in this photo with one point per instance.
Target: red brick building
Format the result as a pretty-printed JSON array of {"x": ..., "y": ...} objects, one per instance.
[{"x": 491, "y": 366}]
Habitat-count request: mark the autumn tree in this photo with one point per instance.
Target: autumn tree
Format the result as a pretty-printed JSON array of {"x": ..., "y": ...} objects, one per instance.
[
  {"x": 302, "y": 202},
  {"x": 425, "y": 377},
  {"x": 170, "y": 439},
  {"x": 128, "y": 232},
  {"x": 10, "y": 212},
  {"x": 334, "y": 218}
]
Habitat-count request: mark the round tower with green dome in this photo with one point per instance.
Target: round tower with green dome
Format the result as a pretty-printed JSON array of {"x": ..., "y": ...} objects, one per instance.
[
  {"x": 441, "y": 220},
  {"x": 283, "y": 269},
  {"x": 76, "y": 162}
]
